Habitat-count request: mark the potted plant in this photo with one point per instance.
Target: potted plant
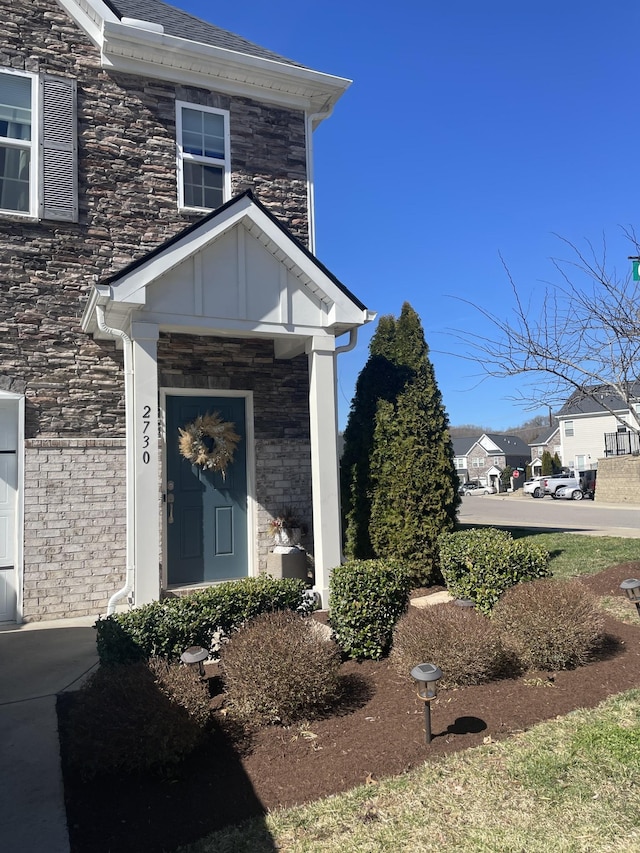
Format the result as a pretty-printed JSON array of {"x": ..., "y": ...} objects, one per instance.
[{"x": 286, "y": 530}]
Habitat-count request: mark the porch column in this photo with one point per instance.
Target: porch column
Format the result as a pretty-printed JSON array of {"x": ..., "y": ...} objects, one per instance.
[
  {"x": 324, "y": 462},
  {"x": 146, "y": 466}
]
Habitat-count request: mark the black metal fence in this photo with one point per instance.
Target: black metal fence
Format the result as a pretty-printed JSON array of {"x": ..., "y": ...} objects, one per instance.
[{"x": 621, "y": 443}]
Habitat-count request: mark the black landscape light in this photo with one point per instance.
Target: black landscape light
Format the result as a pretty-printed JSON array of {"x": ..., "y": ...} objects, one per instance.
[
  {"x": 195, "y": 656},
  {"x": 426, "y": 676},
  {"x": 632, "y": 589}
]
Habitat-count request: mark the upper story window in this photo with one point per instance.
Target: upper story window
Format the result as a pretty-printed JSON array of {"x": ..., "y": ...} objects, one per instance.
[
  {"x": 459, "y": 462},
  {"x": 38, "y": 146},
  {"x": 17, "y": 132},
  {"x": 568, "y": 428},
  {"x": 477, "y": 462},
  {"x": 204, "y": 173}
]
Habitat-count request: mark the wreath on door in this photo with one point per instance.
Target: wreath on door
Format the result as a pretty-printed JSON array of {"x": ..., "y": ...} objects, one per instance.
[{"x": 209, "y": 442}]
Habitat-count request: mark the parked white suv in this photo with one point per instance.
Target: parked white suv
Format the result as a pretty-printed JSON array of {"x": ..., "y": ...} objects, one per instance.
[{"x": 534, "y": 487}]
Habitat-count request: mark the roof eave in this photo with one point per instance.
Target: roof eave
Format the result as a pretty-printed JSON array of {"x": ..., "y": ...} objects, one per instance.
[{"x": 133, "y": 50}]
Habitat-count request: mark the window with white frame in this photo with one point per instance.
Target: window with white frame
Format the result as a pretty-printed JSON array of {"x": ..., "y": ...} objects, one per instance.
[
  {"x": 477, "y": 462},
  {"x": 204, "y": 174},
  {"x": 38, "y": 146},
  {"x": 459, "y": 463},
  {"x": 568, "y": 428},
  {"x": 17, "y": 131}
]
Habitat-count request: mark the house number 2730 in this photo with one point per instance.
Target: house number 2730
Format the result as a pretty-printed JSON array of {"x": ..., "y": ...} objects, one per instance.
[{"x": 146, "y": 426}]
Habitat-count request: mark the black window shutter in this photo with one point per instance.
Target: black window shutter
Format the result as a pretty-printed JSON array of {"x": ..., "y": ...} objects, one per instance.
[{"x": 58, "y": 149}]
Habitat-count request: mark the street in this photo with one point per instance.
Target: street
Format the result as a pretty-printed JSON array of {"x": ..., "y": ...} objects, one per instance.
[{"x": 518, "y": 510}]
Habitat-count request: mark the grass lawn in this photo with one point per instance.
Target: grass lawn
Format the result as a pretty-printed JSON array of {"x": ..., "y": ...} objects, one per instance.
[{"x": 571, "y": 785}]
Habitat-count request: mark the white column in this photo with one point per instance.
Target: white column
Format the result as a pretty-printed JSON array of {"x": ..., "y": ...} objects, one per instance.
[
  {"x": 324, "y": 462},
  {"x": 146, "y": 463}
]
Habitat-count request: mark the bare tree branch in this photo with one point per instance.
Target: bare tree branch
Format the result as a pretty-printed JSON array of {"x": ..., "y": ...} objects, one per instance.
[{"x": 582, "y": 338}]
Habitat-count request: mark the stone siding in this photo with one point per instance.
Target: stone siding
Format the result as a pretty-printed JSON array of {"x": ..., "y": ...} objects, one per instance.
[
  {"x": 281, "y": 415},
  {"x": 128, "y": 206},
  {"x": 618, "y": 480},
  {"x": 75, "y": 527}
]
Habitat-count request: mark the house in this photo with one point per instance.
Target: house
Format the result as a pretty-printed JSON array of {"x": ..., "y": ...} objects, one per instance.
[
  {"x": 159, "y": 280},
  {"x": 548, "y": 440},
  {"x": 485, "y": 457},
  {"x": 597, "y": 426}
]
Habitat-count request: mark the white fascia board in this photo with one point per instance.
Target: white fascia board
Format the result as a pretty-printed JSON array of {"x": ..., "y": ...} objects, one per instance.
[
  {"x": 134, "y": 50},
  {"x": 90, "y": 16},
  {"x": 225, "y": 327}
]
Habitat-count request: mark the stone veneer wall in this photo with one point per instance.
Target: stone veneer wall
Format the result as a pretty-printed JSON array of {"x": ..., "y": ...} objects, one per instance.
[
  {"x": 128, "y": 206},
  {"x": 618, "y": 480},
  {"x": 281, "y": 415},
  {"x": 75, "y": 526}
]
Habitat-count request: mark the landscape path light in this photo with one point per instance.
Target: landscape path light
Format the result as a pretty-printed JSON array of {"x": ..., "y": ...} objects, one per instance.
[
  {"x": 426, "y": 676},
  {"x": 632, "y": 588},
  {"x": 195, "y": 656}
]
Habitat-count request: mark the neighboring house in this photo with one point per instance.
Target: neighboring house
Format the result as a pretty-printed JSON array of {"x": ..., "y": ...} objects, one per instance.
[
  {"x": 156, "y": 219},
  {"x": 591, "y": 429},
  {"x": 486, "y": 457},
  {"x": 548, "y": 440}
]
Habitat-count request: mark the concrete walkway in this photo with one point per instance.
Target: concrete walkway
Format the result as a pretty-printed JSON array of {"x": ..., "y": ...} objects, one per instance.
[{"x": 37, "y": 661}]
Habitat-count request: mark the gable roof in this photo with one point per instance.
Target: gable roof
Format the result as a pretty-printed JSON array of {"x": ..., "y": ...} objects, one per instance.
[
  {"x": 181, "y": 24},
  {"x": 545, "y": 436},
  {"x": 153, "y": 39},
  {"x": 606, "y": 399},
  {"x": 493, "y": 443},
  {"x": 236, "y": 270}
]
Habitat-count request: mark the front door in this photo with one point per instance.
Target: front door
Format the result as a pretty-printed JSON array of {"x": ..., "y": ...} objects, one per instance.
[
  {"x": 206, "y": 513},
  {"x": 8, "y": 519}
]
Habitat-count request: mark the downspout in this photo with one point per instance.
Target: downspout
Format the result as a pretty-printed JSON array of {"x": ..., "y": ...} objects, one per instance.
[
  {"x": 313, "y": 118},
  {"x": 127, "y": 589}
]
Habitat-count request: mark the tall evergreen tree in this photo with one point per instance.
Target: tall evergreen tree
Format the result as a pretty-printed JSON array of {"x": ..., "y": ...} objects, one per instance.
[
  {"x": 380, "y": 379},
  {"x": 397, "y": 424},
  {"x": 413, "y": 479}
]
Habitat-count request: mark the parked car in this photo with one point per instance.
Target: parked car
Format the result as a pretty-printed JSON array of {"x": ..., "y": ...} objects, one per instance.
[
  {"x": 470, "y": 484},
  {"x": 588, "y": 483},
  {"x": 553, "y": 482},
  {"x": 569, "y": 493},
  {"x": 534, "y": 487},
  {"x": 480, "y": 490}
]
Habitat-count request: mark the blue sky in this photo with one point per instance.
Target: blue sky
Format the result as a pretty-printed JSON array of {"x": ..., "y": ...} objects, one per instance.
[{"x": 471, "y": 130}]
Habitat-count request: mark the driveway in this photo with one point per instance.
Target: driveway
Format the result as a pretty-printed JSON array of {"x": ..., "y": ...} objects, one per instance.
[{"x": 519, "y": 510}]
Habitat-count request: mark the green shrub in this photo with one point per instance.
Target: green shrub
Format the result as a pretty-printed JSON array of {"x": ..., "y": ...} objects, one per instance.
[
  {"x": 481, "y": 564},
  {"x": 466, "y": 646},
  {"x": 138, "y": 716},
  {"x": 278, "y": 669},
  {"x": 366, "y": 598},
  {"x": 166, "y": 628},
  {"x": 550, "y": 624}
]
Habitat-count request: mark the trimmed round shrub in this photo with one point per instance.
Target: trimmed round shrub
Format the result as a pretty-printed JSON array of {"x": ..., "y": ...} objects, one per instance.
[
  {"x": 140, "y": 716},
  {"x": 481, "y": 564},
  {"x": 366, "y": 599},
  {"x": 279, "y": 668},
  {"x": 466, "y": 645},
  {"x": 551, "y": 625}
]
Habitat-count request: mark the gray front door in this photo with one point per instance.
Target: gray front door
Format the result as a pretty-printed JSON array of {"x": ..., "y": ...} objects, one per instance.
[{"x": 206, "y": 512}]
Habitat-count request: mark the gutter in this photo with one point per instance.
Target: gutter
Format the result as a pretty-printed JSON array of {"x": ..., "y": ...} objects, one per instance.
[
  {"x": 128, "y": 589},
  {"x": 312, "y": 121}
]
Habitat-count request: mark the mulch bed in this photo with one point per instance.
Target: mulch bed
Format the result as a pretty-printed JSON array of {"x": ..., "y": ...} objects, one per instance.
[{"x": 378, "y": 732}]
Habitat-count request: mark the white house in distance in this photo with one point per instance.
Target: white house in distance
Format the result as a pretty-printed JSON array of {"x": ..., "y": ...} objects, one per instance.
[{"x": 592, "y": 429}]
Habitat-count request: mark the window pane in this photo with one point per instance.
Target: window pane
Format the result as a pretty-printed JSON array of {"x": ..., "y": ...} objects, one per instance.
[
  {"x": 203, "y": 133},
  {"x": 14, "y": 179},
  {"x": 203, "y": 185},
  {"x": 15, "y": 107}
]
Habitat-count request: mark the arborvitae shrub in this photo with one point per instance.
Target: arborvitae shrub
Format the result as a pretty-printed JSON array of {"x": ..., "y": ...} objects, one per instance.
[
  {"x": 466, "y": 646},
  {"x": 137, "y": 716},
  {"x": 481, "y": 564},
  {"x": 366, "y": 598},
  {"x": 550, "y": 624},
  {"x": 279, "y": 669}
]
